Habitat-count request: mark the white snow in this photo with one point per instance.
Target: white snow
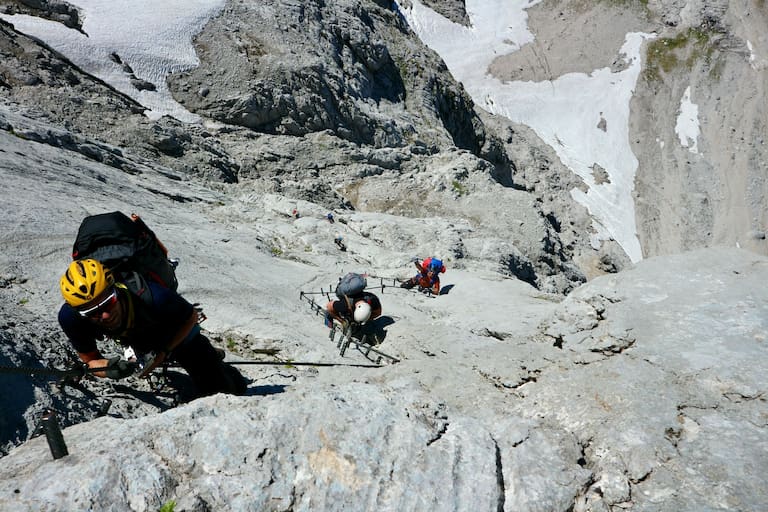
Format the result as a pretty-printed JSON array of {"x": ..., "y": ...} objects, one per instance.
[
  {"x": 498, "y": 27},
  {"x": 564, "y": 112},
  {"x": 153, "y": 38},
  {"x": 757, "y": 62},
  {"x": 687, "y": 126}
]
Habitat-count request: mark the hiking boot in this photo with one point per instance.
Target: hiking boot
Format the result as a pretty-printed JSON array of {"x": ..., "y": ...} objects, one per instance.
[
  {"x": 407, "y": 285},
  {"x": 238, "y": 384}
]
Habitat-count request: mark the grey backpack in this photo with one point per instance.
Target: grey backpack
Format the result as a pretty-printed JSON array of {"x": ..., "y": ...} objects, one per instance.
[{"x": 351, "y": 284}]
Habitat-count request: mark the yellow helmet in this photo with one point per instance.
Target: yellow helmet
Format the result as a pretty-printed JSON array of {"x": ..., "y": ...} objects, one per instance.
[{"x": 83, "y": 281}]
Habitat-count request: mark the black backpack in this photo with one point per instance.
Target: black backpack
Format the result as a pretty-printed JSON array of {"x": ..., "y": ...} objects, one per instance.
[{"x": 124, "y": 245}]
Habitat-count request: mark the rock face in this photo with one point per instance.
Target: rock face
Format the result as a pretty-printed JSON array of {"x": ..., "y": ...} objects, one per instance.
[
  {"x": 454, "y": 10},
  {"x": 55, "y": 10},
  {"x": 706, "y": 348},
  {"x": 349, "y": 66},
  {"x": 712, "y": 56},
  {"x": 329, "y": 459},
  {"x": 634, "y": 394},
  {"x": 693, "y": 188},
  {"x": 44, "y": 85}
]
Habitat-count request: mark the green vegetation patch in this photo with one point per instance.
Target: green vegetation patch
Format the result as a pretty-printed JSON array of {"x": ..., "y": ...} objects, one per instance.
[
  {"x": 458, "y": 188},
  {"x": 168, "y": 506},
  {"x": 667, "y": 54}
]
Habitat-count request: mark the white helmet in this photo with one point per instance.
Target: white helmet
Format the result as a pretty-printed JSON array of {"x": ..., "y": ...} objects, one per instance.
[{"x": 362, "y": 312}]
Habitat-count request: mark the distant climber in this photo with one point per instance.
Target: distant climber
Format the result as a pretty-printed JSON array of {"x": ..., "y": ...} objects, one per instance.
[
  {"x": 339, "y": 241},
  {"x": 355, "y": 310},
  {"x": 154, "y": 321},
  {"x": 354, "y": 306},
  {"x": 330, "y": 218},
  {"x": 428, "y": 278}
]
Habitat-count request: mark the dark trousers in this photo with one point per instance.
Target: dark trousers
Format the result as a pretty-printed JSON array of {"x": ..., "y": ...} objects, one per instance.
[{"x": 208, "y": 372}]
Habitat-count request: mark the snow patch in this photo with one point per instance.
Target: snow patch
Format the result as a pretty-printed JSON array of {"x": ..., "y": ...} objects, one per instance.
[
  {"x": 687, "y": 126},
  {"x": 757, "y": 63},
  {"x": 153, "y": 38}
]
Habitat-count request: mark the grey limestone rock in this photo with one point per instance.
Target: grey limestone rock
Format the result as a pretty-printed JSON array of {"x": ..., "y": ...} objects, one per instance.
[
  {"x": 349, "y": 66},
  {"x": 656, "y": 388},
  {"x": 54, "y": 10}
]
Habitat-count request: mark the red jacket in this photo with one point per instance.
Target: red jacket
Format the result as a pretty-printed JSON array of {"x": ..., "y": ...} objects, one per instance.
[{"x": 427, "y": 278}]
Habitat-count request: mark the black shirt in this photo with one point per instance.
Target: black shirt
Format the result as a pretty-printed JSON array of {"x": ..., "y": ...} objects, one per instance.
[{"x": 151, "y": 326}]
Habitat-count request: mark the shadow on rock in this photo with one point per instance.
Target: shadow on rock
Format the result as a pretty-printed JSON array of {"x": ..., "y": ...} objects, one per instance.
[
  {"x": 18, "y": 396},
  {"x": 446, "y": 289},
  {"x": 375, "y": 330},
  {"x": 13, "y": 426},
  {"x": 265, "y": 390},
  {"x": 162, "y": 399}
]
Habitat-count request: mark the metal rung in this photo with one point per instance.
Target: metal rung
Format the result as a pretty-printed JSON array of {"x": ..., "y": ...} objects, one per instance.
[
  {"x": 345, "y": 338},
  {"x": 364, "y": 349}
]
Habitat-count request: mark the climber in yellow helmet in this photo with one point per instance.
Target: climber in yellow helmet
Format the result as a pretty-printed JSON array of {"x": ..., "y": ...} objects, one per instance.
[{"x": 156, "y": 322}]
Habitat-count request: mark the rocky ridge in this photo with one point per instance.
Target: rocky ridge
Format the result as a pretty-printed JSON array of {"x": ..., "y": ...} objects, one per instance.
[{"x": 326, "y": 163}]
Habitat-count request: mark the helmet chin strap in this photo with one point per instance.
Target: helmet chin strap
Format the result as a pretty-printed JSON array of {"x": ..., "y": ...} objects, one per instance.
[{"x": 127, "y": 310}]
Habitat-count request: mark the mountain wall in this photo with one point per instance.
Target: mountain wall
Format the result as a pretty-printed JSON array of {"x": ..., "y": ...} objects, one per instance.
[
  {"x": 709, "y": 189},
  {"x": 697, "y": 123},
  {"x": 344, "y": 139},
  {"x": 354, "y": 68}
]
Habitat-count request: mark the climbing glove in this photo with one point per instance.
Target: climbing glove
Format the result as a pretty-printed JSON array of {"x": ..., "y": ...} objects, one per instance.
[{"x": 118, "y": 368}]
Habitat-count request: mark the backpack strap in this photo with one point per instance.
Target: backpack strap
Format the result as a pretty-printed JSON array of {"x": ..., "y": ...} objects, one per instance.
[
  {"x": 347, "y": 301},
  {"x": 130, "y": 312},
  {"x": 137, "y": 285}
]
